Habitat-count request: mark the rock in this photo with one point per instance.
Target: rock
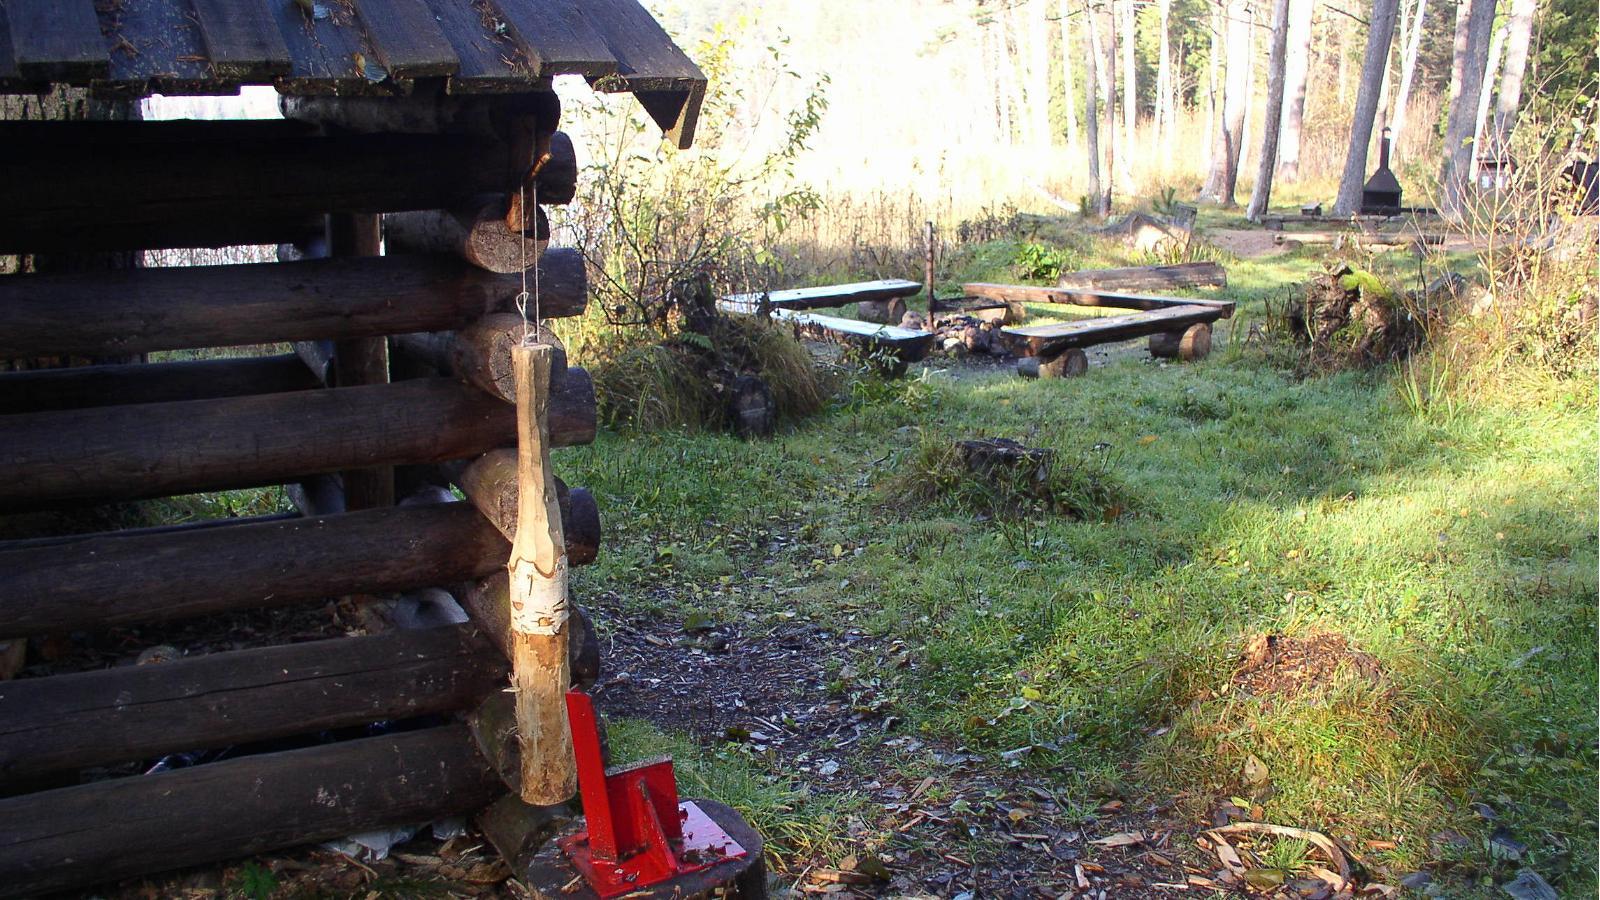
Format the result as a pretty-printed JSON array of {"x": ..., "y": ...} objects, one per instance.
[
  {"x": 1416, "y": 881},
  {"x": 1503, "y": 846},
  {"x": 914, "y": 321},
  {"x": 1529, "y": 886},
  {"x": 1485, "y": 811},
  {"x": 954, "y": 345}
]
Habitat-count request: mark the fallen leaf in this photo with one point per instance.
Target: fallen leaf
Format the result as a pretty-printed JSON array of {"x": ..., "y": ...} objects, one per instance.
[
  {"x": 1255, "y": 771},
  {"x": 1265, "y": 879},
  {"x": 1148, "y": 439},
  {"x": 1120, "y": 839}
]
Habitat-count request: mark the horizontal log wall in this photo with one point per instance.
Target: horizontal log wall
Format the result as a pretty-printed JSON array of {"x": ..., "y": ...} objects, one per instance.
[
  {"x": 92, "y": 386},
  {"x": 54, "y": 840},
  {"x": 104, "y": 580},
  {"x": 161, "y": 449},
  {"x": 143, "y": 310},
  {"x": 130, "y": 713}
]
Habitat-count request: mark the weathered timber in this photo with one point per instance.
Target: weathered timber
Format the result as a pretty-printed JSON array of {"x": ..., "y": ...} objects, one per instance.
[
  {"x": 905, "y": 344},
  {"x": 490, "y": 483},
  {"x": 55, "y": 41},
  {"x": 175, "y": 180},
  {"x": 406, "y": 38},
  {"x": 361, "y": 360},
  {"x": 520, "y": 830},
  {"x": 556, "y": 179},
  {"x": 1143, "y": 278},
  {"x": 540, "y": 670},
  {"x": 1066, "y": 364},
  {"x": 1019, "y": 293},
  {"x": 1048, "y": 340},
  {"x": 89, "y": 386},
  {"x": 241, "y": 41},
  {"x": 131, "y": 713},
  {"x": 556, "y": 36},
  {"x": 100, "y": 580},
  {"x": 318, "y": 359},
  {"x": 1190, "y": 344},
  {"x": 479, "y": 354},
  {"x": 822, "y": 297},
  {"x": 142, "y": 310},
  {"x": 881, "y": 312},
  {"x": 77, "y": 836},
  {"x": 487, "y": 603},
  {"x": 476, "y": 232},
  {"x": 159, "y": 449}
]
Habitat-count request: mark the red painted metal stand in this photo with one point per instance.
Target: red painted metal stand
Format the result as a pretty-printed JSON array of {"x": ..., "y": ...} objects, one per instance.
[{"x": 638, "y": 833}]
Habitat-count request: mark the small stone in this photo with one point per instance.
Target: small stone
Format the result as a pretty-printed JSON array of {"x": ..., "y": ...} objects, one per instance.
[
  {"x": 1416, "y": 880},
  {"x": 1528, "y": 885},
  {"x": 1485, "y": 811},
  {"x": 1503, "y": 846}
]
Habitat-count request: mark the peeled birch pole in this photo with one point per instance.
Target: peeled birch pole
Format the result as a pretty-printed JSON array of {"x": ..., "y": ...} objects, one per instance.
[{"x": 540, "y": 671}]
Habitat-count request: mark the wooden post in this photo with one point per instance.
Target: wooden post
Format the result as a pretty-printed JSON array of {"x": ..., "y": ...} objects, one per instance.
[
  {"x": 927, "y": 272},
  {"x": 538, "y": 596},
  {"x": 358, "y": 361}
]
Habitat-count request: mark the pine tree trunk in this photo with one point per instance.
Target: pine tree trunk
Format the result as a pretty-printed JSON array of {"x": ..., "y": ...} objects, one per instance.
[
  {"x": 1039, "y": 71},
  {"x": 1091, "y": 108},
  {"x": 1130, "y": 85},
  {"x": 1380, "y": 34},
  {"x": 1297, "y": 59},
  {"x": 1408, "y": 71},
  {"x": 1261, "y": 195},
  {"x": 1068, "y": 88},
  {"x": 1455, "y": 174},
  {"x": 1521, "y": 30},
  {"x": 1224, "y": 175},
  {"x": 1164, "y": 117},
  {"x": 1111, "y": 109},
  {"x": 1213, "y": 108}
]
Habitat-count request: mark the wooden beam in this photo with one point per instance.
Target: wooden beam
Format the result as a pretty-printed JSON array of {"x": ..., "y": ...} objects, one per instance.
[
  {"x": 479, "y": 354},
  {"x": 241, "y": 39},
  {"x": 187, "y": 177},
  {"x": 160, "y": 449},
  {"x": 407, "y": 39},
  {"x": 361, "y": 360},
  {"x": 56, "y": 40},
  {"x": 822, "y": 297},
  {"x": 476, "y": 232},
  {"x": 220, "y": 699},
  {"x": 82, "y": 387},
  {"x": 1020, "y": 293},
  {"x": 1048, "y": 340},
  {"x": 100, "y": 580},
  {"x": 490, "y": 483},
  {"x": 1144, "y": 278},
  {"x": 107, "y": 830},
  {"x": 557, "y": 37},
  {"x": 540, "y": 669},
  {"x": 906, "y": 344},
  {"x": 142, "y": 310}
]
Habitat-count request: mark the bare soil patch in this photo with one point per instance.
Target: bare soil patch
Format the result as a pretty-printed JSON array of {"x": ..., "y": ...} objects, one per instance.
[{"x": 1290, "y": 666}]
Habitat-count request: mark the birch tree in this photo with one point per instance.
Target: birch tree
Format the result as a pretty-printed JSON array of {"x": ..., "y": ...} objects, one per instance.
[
  {"x": 1520, "y": 30},
  {"x": 1408, "y": 71},
  {"x": 1038, "y": 28},
  {"x": 1091, "y": 109},
  {"x": 1224, "y": 174},
  {"x": 1380, "y": 34},
  {"x": 1490, "y": 70},
  {"x": 1111, "y": 106},
  {"x": 1472, "y": 52},
  {"x": 1130, "y": 93},
  {"x": 1164, "y": 113},
  {"x": 1068, "y": 89},
  {"x": 1296, "y": 66},
  {"x": 1261, "y": 195}
]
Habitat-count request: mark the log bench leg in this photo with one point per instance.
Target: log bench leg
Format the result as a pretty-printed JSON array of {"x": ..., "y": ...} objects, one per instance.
[
  {"x": 882, "y": 312},
  {"x": 1193, "y": 343},
  {"x": 1066, "y": 364}
]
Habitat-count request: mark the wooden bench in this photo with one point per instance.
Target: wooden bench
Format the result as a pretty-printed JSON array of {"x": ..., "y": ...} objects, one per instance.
[
  {"x": 1018, "y": 293},
  {"x": 827, "y": 296},
  {"x": 902, "y": 345},
  {"x": 1053, "y": 351}
]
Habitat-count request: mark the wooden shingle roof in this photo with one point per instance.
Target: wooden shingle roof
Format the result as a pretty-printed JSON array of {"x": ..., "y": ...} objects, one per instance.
[{"x": 348, "y": 47}]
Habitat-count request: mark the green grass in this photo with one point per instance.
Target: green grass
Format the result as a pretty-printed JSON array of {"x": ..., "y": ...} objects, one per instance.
[{"x": 1460, "y": 551}]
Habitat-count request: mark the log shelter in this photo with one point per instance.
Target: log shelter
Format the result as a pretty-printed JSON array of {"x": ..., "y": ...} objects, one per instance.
[{"x": 368, "y": 370}]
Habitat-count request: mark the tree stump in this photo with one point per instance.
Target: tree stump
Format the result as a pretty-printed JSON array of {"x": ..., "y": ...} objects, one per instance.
[
  {"x": 751, "y": 410},
  {"x": 1191, "y": 344},
  {"x": 1003, "y": 458},
  {"x": 1066, "y": 364}
]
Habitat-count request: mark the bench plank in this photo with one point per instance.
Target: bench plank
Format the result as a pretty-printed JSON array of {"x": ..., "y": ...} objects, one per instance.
[
  {"x": 825, "y": 296},
  {"x": 1077, "y": 297},
  {"x": 1046, "y": 340},
  {"x": 908, "y": 345}
]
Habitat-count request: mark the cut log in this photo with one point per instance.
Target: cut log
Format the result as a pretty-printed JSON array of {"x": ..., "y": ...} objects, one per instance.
[
  {"x": 487, "y": 602},
  {"x": 540, "y": 671},
  {"x": 557, "y": 176},
  {"x": 903, "y": 344},
  {"x": 1019, "y": 293},
  {"x": 476, "y": 232},
  {"x": 751, "y": 409},
  {"x": 78, "y": 836},
  {"x": 1190, "y": 344},
  {"x": 91, "y": 386},
  {"x": 822, "y": 297},
  {"x": 142, "y": 310},
  {"x": 479, "y": 354},
  {"x": 490, "y": 484},
  {"x": 160, "y": 449},
  {"x": 1048, "y": 340},
  {"x": 175, "y": 181},
  {"x": 361, "y": 360},
  {"x": 1147, "y": 278},
  {"x": 318, "y": 359},
  {"x": 1066, "y": 364},
  {"x": 881, "y": 312},
  {"x": 1004, "y": 459},
  {"x": 100, "y": 580},
  {"x": 136, "y": 712}
]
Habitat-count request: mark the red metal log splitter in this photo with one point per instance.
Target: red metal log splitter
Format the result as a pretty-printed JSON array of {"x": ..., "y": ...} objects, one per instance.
[{"x": 638, "y": 833}]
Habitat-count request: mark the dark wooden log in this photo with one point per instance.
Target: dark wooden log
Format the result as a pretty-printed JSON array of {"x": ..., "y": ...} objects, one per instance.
[
  {"x": 99, "y": 580},
  {"x": 557, "y": 176},
  {"x": 490, "y": 484},
  {"x": 1066, "y": 364},
  {"x": 175, "y": 181},
  {"x": 91, "y": 386},
  {"x": 751, "y": 409},
  {"x": 361, "y": 360},
  {"x": 1048, "y": 340},
  {"x": 1018, "y": 294},
  {"x": 905, "y": 345},
  {"x": 479, "y": 354},
  {"x": 160, "y": 449},
  {"x": 135, "y": 311},
  {"x": 487, "y": 603},
  {"x": 477, "y": 232},
  {"x": 318, "y": 359},
  {"x": 1190, "y": 344},
  {"x": 317, "y": 495},
  {"x": 1147, "y": 278},
  {"x": 114, "y": 829},
  {"x": 135, "y": 712},
  {"x": 881, "y": 312}
]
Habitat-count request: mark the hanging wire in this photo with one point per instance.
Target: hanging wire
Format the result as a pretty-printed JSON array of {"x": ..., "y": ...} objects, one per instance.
[{"x": 536, "y": 326}]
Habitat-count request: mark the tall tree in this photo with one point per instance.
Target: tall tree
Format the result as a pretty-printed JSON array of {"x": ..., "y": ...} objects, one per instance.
[
  {"x": 1068, "y": 89},
  {"x": 1224, "y": 175},
  {"x": 1130, "y": 85},
  {"x": 1164, "y": 113},
  {"x": 1490, "y": 69},
  {"x": 1408, "y": 71},
  {"x": 1520, "y": 28},
  {"x": 1038, "y": 29},
  {"x": 1261, "y": 195},
  {"x": 1111, "y": 106},
  {"x": 1296, "y": 65},
  {"x": 1091, "y": 108},
  {"x": 1380, "y": 34},
  {"x": 1455, "y": 173},
  {"x": 1213, "y": 88}
]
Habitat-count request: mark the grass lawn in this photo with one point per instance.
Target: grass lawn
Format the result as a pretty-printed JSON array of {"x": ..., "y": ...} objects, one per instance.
[{"x": 1456, "y": 548}]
